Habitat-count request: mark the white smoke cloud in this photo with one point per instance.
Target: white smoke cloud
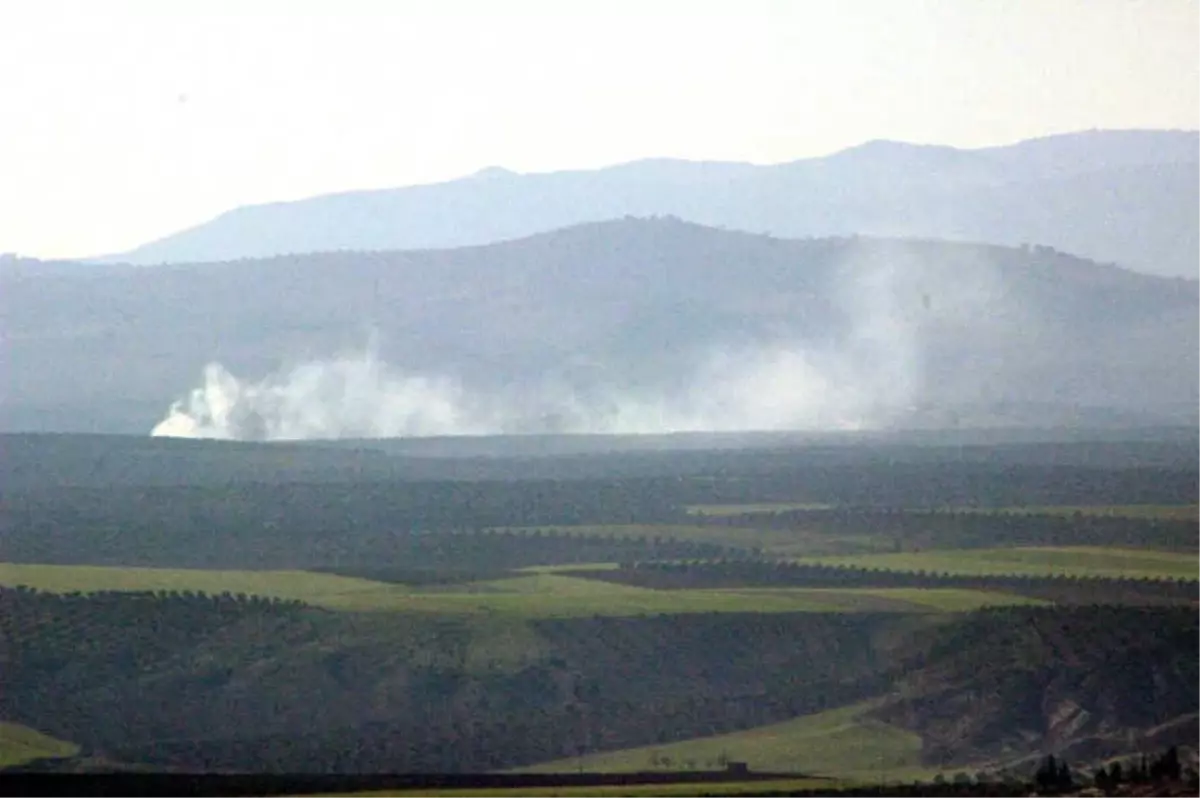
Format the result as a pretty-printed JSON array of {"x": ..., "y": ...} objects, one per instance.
[
  {"x": 864, "y": 379},
  {"x": 359, "y": 396},
  {"x": 342, "y": 397}
]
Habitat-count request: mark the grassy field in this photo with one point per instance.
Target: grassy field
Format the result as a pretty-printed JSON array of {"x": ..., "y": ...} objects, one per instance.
[
  {"x": 321, "y": 589},
  {"x": 740, "y": 509},
  {"x": 21, "y": 744},
  {"x": 795, "y": 542},
  {"x": 843, "y": 743},
  {"x": 1083, "y": 561},
  {"x": 570, "y": 567},
  {"x": 537, "y": 595},
  {"x": 1178, "y": 512},
  {"x": 680, "y": 789},
  {"x": 1169, "y": 512}
]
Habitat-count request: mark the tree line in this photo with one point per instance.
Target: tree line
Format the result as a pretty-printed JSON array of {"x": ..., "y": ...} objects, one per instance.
[
  {"x": 730, "y": 573},
  {"x": 950, "y": 528},
  {"x": 1054, "y": 776}
]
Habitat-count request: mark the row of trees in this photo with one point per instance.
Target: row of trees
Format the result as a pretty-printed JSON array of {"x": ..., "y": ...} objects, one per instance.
[
  {"x": 157, "y": 679},
  {"x": 912, "y": 529},
  {"x": 982, "y": 479},
  {"x": 15, "y": 599},
  {"x": 347, "y": 539},
  {"x": 251, "y": 524},
  {"x": 1054, "y": 776},
  {"x": 55, "y": 627},
  {"x": 698, "y": 574},
  {"x": 289, "y": 526},
  {"x": 1165, "y": 767},
  {"x": 161, "y": 686}
]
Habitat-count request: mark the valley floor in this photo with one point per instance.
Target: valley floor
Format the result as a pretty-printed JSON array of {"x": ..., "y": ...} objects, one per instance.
[{"x": 615, "y": 626}]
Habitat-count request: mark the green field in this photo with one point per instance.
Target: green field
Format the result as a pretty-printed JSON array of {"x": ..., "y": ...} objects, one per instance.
[
  {"x": 1175, "y": 512},
  {"x": 21, "y": 744},
  {"x": 538, "y": 595},
  {"x": 1166, "y": 512},
  {"x": 742, "y": 537},
  {"x": 570, "y": 567},
  {"x": 794, "y": 542},
  {"x": 1081, "y": 561},
  {"x": 741, "y": 509},
  {"x": 842, "y": 743},
  {"x": 678, "y": 789},
  {"x": 322, "y": 589}
]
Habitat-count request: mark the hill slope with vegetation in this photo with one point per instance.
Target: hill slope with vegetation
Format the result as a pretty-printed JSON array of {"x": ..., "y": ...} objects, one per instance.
[
  {"x": 161, "y": 674},
  {"x": 1124, "y": 196},
  {"x": 632, "y": 325},
  {"x": 674, "y": 604}
]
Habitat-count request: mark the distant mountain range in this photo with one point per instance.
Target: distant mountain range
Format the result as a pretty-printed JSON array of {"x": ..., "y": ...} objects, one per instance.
[
  {"x": 1125, "y": 197},
  {"x": 634, "y": 325}
]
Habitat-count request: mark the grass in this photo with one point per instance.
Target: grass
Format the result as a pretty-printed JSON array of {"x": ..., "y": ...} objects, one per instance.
[
  {"x": 741, "y": 509},
  {"x": 843, "y": 743},
  {"x": 1166, "y": 512},
  {"x": 1082, "y": 561},
  {"x": 570, "y": 567},
  {"x": 20, "y": 744},
  {"x": 1175, "y": 512},
  {"x": 557, "y": 596},
  {"x": 327, "y": 590},
  {"x": 795, "y": 542},
  {"x": 742, "y": 537},
  {"x": 678, "y": 789},
  {"x": 536, "y": 595}
]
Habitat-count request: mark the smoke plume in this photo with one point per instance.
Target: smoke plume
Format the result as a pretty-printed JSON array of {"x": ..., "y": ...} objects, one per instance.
[
  {"x": 359, "y": 396},
  {"x": 865, "y": 376}
]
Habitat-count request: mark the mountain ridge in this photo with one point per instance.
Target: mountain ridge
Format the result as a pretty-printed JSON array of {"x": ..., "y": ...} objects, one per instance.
[
  {"x": 879, "y": 187},
  {"x": 632, "y": 325}
]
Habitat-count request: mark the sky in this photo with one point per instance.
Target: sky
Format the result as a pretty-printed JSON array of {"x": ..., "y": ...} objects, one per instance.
[{"x": 124, "y": 121}]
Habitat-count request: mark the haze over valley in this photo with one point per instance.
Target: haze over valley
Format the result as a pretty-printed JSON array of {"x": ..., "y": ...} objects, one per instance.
[
  {"x": 626, "y": 326},
  {"x": 623, "y": 398}
]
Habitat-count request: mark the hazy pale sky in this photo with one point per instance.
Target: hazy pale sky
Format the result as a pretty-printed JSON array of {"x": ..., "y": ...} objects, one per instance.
[{"x": 124, "y": 121}]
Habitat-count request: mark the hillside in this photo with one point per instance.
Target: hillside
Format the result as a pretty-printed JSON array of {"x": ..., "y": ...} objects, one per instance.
[
  {"x": 400, "y": 692},
  {"x": 628, "y": 326},
  {"x": 1130, "y": 197},
  {"x": 19, "y": 744},
  {"x": 516, "y": 611},
  {"x": 161, "y": 674},
  {"x": 996, "y": 690},
  {"x": 1047, "y": 679},
  {"x": 180, "y": 504},
  {"x": 39, "y": 461}
]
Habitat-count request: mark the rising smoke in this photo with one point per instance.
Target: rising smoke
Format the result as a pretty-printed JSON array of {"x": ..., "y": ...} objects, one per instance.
[
  {"x": 358, "y": 396},
  {"x": 355, "y": 396},
  {"x": 866, "y": 379}
]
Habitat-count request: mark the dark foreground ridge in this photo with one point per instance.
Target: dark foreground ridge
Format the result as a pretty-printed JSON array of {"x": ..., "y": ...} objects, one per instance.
[{"x": 16, "y": 782}]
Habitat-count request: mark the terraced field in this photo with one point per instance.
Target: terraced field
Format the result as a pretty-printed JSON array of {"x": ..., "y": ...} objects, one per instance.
[
  {"x": 1175, "y": 512},
  {"x": 321, "y": 589},
  {"x": 1080, "y": 561},
  {"x": 1169, "y": 512},
  {"x": 843, "y": 743},
  {"x": 741, "y": 509},
  {"x": 678, "y": 789},
  {"x": 795, "y": 542},
  {"x": 742, "y": 537},
  {"x": 20, "y": 744},
  {"x": 537, "y": 595}
]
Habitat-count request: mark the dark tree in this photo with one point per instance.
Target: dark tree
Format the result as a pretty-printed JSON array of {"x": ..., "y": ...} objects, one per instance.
[
  {"x": 1167, "y": 767},
  {"x": 1065, "y": 780},
  {"x": 1053, "y": 776}
]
